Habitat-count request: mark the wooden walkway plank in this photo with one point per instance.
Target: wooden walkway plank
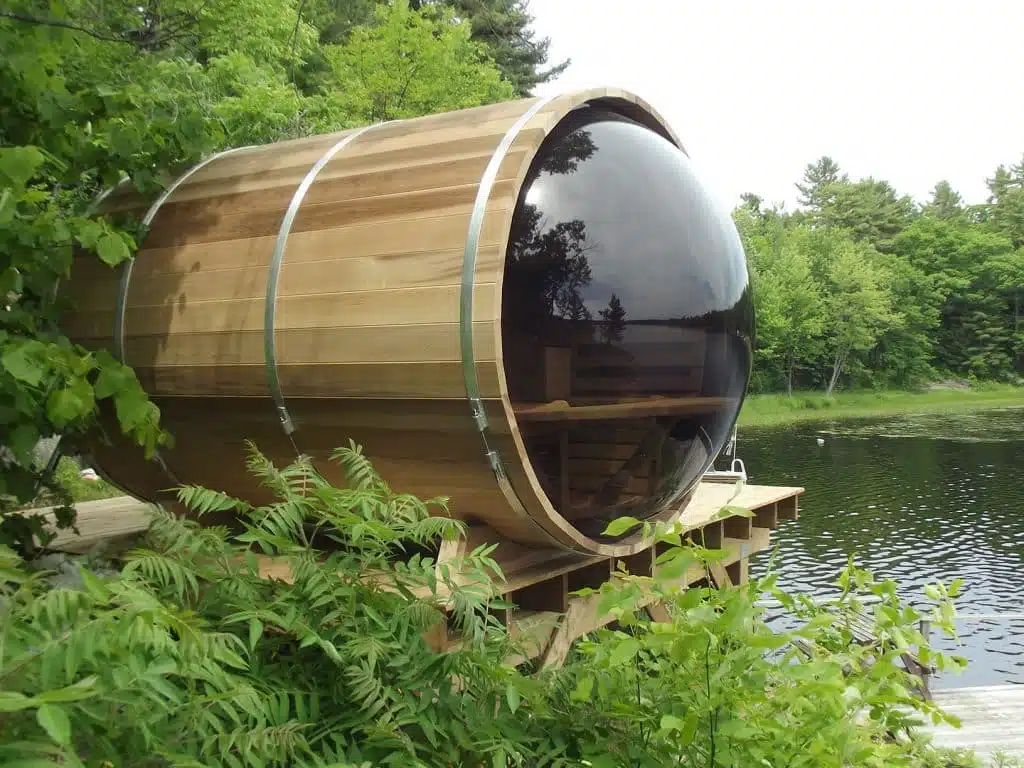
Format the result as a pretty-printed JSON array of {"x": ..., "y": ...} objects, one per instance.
[
  {"x": 100, "y": 521},
  {"x": 991, "y": 719}
]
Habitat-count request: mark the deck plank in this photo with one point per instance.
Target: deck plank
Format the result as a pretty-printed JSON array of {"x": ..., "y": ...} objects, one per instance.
[
  {"x": 102, "y": 520},
  {"x": 126, "y": 516},
  {"x": 990, "y": 718}
]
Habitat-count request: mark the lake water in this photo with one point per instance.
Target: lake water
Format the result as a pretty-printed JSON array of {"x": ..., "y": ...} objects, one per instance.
[{"x": 915, "y": 499}]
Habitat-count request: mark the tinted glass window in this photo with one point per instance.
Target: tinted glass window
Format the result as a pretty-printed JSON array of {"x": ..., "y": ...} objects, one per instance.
[{"x": 627, "y": 320}]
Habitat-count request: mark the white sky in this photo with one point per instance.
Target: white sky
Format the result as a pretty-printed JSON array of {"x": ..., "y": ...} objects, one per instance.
[{"x": 909, "y": 91}]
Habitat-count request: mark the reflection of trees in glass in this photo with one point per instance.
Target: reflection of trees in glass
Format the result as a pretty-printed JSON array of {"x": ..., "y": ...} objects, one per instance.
[
  {"x": 613, "y": 321},
  {"x": 547, "y": 270},
  {"x": 566, "y": 156},
  {"x": 547, "y": 267}
]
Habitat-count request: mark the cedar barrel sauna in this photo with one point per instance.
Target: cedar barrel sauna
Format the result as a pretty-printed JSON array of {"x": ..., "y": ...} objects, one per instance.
[{"x": 533, "y": 308}]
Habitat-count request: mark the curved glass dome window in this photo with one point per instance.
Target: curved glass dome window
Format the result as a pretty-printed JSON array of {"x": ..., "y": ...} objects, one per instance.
[{"x": 627, "y": 321}]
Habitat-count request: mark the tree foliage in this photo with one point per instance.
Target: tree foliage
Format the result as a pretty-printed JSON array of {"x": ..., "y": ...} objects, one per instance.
[
  {"x": 864, "y": 288},
  {"x": 313, "y": 652},
  {"x": 95, "y": 93}
]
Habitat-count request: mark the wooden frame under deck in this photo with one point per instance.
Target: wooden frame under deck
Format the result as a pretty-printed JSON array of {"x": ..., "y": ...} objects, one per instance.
[{"x": 548, "y": 618}]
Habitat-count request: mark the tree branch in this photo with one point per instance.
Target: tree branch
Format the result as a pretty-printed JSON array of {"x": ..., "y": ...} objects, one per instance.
[{"x": 23, "y": 19}]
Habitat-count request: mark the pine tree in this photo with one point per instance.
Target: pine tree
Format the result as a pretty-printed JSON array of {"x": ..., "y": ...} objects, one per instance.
[
  {"x": 613, "y": 321},
  {"x": 946, "y": 202},
  {"x": 819, "y": 178}
]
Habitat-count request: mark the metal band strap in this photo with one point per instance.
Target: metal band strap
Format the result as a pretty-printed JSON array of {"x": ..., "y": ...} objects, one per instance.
[
  {"x": 276, "y": 262},
  {"x": 469, "y": 259},
  {"x": 126, "y": 271}
]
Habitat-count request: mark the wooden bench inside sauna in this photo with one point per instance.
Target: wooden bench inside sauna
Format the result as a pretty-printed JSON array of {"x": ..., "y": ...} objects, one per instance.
[{"x": 533, "y": 308}]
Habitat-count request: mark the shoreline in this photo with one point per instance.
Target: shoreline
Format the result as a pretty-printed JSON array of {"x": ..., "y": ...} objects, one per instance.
[{"x": 776, "y": 410}]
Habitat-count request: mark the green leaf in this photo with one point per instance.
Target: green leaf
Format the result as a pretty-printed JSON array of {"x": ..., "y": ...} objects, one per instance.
[
  {"x": 19, "y": 164},
  {"x": 620, "y": 525},
  {"x": 64, "y": 406},
  {"x": 671, "y": 723},
  {"x": 624, "y": 651},
  {"x": 55, "y": 722},
  {"x": 584, "y": 687},
  {"x": 23, "y": 440},
  {"x": 24, "y": 363},
  {"x": 94, "y": 587},
  {"x": 12, "y": 701},
  {"x": 82, "y": 689},
  {"x": 111, "y": 380},
  {"x": 731, "y": 510},
  {"x": 255, "y": 632},
  {"x": 90, "y": 233},
  {"x": 8, "y": 206},
  {"x": 112, "y": 249},
  {"x": 512, "y": 697}
]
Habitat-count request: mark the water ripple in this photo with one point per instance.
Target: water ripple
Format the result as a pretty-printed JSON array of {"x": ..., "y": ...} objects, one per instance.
[{"x": 916, "y": 500}]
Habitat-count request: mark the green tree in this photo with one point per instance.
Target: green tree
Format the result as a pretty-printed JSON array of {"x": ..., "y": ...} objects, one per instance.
[
  {"x": 870, "y": 210},
  {"x": 613, "y": 321},
  {"x": 946, "y": 202},
  {"x": 411, "y": 63},
  {"x": 859, "y": 307},
  {"x": 1006, "y": 202},
  {"x": 504, "y": 26},
  {"x": 819, "y": 178},
  {"x": 977, "y": 275},
  {"x": 99, "y": 92},
  {"x": 790, "y": 305}
]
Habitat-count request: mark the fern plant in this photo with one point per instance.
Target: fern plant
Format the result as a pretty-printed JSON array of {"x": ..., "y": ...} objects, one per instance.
[
  {"x": 298, "y": 638},
  {"x": 193, "y": 657}
]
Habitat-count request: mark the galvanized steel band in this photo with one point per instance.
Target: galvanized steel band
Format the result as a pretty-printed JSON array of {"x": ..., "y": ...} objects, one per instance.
[
  {"x": 469, "y": 259},
  {"x": 274, "y": 275},
  {"x": 126, "y": 271}
]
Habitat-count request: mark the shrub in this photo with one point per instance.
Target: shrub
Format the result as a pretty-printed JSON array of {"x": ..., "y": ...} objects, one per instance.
[{"x": 193, "y": 655}]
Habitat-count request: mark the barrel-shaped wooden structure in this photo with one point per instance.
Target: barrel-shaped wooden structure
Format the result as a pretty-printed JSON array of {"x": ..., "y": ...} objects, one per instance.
[{"x": 455, "y": 294}]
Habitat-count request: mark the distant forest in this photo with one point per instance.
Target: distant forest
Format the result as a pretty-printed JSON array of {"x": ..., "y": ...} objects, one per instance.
[{"x": 862, "y": 287}]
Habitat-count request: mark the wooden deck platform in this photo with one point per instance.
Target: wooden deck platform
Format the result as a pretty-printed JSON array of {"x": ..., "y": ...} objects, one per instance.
[
  {"x": 992, "y": 720},
  {"x": 126, "y": 516}
]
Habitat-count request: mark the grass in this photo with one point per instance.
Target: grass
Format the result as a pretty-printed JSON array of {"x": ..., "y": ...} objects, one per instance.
[
  {"x": 69, "y": 475},
  {"x": 779, "y": 410}
]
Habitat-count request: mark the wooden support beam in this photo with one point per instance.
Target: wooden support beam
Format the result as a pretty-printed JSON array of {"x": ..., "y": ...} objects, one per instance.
[
  {"x": 738, "y": 527},
  {"x": 710, "y": 536},
  {"x": 789, "y": 508},
  {"x": 549, "y": 595},
  {"x": 739, "y": 571},
  {"x": 659, "y": 612},
  {"x": 720, "y": 576},
  {"x": 592, "y": 576},
  {"x": 563, "y": 456},
  {"x": 640, "y": 564},
  {"x": 766, "y": 517}
]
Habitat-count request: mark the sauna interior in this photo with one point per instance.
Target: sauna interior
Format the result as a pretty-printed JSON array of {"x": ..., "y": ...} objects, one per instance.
[{"x": 626, "y": 320}]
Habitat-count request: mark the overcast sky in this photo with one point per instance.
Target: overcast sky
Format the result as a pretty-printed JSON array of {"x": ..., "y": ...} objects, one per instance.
[{"x": 909, "y": 91}]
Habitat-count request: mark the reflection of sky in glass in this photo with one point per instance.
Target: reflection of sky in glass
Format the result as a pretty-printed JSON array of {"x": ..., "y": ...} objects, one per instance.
[{"x": 661, "y": 241}]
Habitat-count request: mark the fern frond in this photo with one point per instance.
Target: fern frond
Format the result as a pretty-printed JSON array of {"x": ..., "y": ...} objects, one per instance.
[
  {"x": 359, "y": 470},
  {"x": 60, "y": 608},
  {"x": 284, "y": 520},
  {"x": 163, "y": 571},
  {"x": 203, "y": 501}
]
